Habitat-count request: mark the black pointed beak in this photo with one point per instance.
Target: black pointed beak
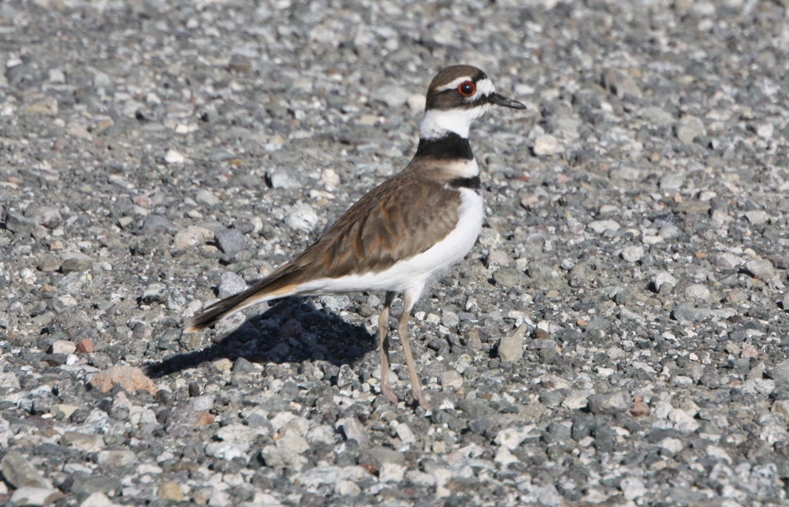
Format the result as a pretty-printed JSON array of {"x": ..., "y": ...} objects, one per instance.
[{"x": 501, "y": 100}]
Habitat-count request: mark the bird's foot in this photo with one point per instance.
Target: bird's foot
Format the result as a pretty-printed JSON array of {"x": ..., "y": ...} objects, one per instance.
[{"x": 390, "y": 395}]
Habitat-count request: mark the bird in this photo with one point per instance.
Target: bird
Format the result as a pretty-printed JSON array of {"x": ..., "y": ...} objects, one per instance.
[{"x": 402, "y": 233}]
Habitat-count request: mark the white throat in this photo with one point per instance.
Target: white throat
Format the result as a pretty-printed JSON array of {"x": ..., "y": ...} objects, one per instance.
[{"x": 438, "y": 122}]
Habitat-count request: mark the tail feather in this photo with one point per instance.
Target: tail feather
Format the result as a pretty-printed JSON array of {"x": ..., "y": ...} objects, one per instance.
[{"x": 275, "y": 286}]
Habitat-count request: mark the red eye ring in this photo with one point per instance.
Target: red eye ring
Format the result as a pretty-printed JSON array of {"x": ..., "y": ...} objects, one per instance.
[{"x": 467, "y": 88}]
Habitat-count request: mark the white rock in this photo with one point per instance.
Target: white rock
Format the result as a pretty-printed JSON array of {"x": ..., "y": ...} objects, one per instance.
[
  {"x": 511, "y": 438},
  {"x": 600, "y": 226},
  {"x": 63, "y": 347},
  {"x": 697, "y": 291},
  {"x": 633, "y": 253},
  {"x": 663, "y": 278},
  {"x": 97, "y": 499},
  {"x": 504, "y": 457},
  {"x": 672, "y": 445},
  {"x": 547, "y": 144},
  {"x": 391, "y": 472},
  {"x": 302, "y": 218},
  {"x": 173, "y": 157},
  {"x": 329, "y": 474},
  {"x": 405, "y": 434},
  {"x": 28, "y": 495},
  {"x": 347, "y": 488},
  {"x": 576, "y": 399},
  {"x": 224, "y": 450},
  {"x": 632, "y": 488}
]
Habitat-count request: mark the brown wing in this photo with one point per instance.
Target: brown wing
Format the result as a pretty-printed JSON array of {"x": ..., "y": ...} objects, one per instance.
[{"x": 399, "y": 219}]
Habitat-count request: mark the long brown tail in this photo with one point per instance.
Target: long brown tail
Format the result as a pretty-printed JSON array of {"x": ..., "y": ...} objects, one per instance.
[{"x": 278, "y": 284}]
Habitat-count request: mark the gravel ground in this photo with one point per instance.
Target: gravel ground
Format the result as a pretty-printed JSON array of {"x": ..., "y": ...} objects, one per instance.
[{"x": 617, "y": 336}]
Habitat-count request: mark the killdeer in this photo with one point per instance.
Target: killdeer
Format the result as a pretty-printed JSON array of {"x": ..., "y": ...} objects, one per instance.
[{"x": 399, "y": 235}]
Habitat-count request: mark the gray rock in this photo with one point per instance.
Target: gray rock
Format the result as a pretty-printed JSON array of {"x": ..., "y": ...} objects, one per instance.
[
  {"x": 33, "y": 496},
  {"x": 154, "y": 292},
  {"x": 697, "y": 291},
  {"x": 85, "y": 486},
  {"x": 75, "y": 261},
  {"x": 302, "y": 218},
  {"x": 689, "y": 128},
  {"x": 352, "y": 429},
  {"x": 377, "y": 456},
  {"x": 19, "y": 224},
  {"x": 508, "y": 277},
  {"x": 761, "y": 268},
  {"x": 632, "y": 253},
  {"x": 230, "y": 241},
  {"x": 780, "y": 373},
  {"x": 19, "y": 472},
  {"x": 284, "y": 178},
  {"x": 392, "y": 95},
  {"x": 620, "y": 83},
  {"x": 511, "y": 346},
  {"x": 157, "y": 224},
  {"x": 231, "y": 283},
  {"x": 116, "y": 459},
  {"x": 48, "y": 216},
  {"x": 609, "y": 404},
  {"x": 207, "y": 198}
]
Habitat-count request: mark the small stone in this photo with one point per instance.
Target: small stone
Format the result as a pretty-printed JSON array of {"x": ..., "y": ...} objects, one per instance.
[
  {"x": 725, "y": 260},
  {"x": 47, "y": 106},
  {"x": 639, "y": 408},
  {"x": 352, "y": 429},
  {"x": 610, "y": 404},
  {"x": 672, "y": 181},
  {"x": 192, "y": 236},
  {"x": 511, "y": 346},
  {"x": 97, "y": 499},
  {"x": 663, "y": 278},
  {"x": 85, "y": 346},
  {"x": 451, "y": 379},
  {"x": 546, "y": 145},
  {"x": 405, "y": 434},
  {"x": 62, "y": 347},
  {"x": 698, "y": 292},
  {"x": 391, "y": 472},
  {"x": 116, "y": 459},
  {"x": 347, "y": 488},
  {"x": 230, "y": 241},
  {"x": 761, "y": 268},
  {"x": 20, "y": 473},
  {"x": 32, "y": 496},
  {"x": 600, "y": 226},
  {"x": 377, "y": 456},
  {"x": 688, "y": 129},
  {"x": 757, "y": 217},
  {"x": 231, "y": 283},
  {"x": 671, "y": 445},
  {"x": 632, "y": 253},
  {"x": 511, "y": 438},
  {"x": 780, "y": 374},
  {"x": 206, "y": 197},
  {"x": 173, "y": 157},
  {"x": 302, "y": 218},
  {"x": 129, "y": 378},
  {"x": 508, "y": 277},
  {"x": 154, "y": 292},
  {"x": 392, "y": 95},
  {"x": 576, "y": 399},
  {"x": 632, "y": 488},
  {"x": 48, "y": 216},
  {"x": 621, "y": 83},
  {"x": 75, "y": 261},
  {"x": 284, "y": 178},
  {"x": 82, "y": 441}
]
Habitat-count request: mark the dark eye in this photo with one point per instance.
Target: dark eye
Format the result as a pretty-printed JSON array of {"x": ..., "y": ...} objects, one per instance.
[{"x": 467, "y": 88}]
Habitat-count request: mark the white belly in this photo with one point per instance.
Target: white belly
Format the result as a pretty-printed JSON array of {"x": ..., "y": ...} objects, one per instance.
[{"x": 414, "y": 272}]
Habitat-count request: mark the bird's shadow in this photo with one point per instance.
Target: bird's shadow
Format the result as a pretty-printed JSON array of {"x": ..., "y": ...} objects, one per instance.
[{"x": 293, "y": 330}]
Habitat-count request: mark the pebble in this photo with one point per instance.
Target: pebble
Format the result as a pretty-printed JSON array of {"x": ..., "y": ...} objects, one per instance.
[
  {"x": 620, "y": 83},
  {"x": 206, "y": 197},
  {"x": 546, "y": 145},
  {"x": 20, "y": 473},
  {"x": 230, "y": 241},
  {"x": 511, "y": 346},
  {"x": 284, "y": 179},
  {"x": 689, "y": 128},
  {"x": 632, "y": 253},
  {"x": 632, "y": 488},
  {"x": 302, "y": 218},
  {"x": 173, "y": 157},
  {"x": 610, "y": 404},
  {"x": 192, "y": 236},
  {"x": 761, "y": 268},
  {"x": 128, "y": 377},
  {"x": 116, "y": 459},
  {"x": 29, "y": 495},
  {"x": 698, "y": 292},
  {"x": 231, "y": 283},
  {"x": 75, "y": 261}
]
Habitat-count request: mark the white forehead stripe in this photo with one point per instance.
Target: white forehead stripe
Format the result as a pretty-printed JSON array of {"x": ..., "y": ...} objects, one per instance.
[
  {"x": 484, "y": 86},
  {"x": 454, "y": 84}
]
